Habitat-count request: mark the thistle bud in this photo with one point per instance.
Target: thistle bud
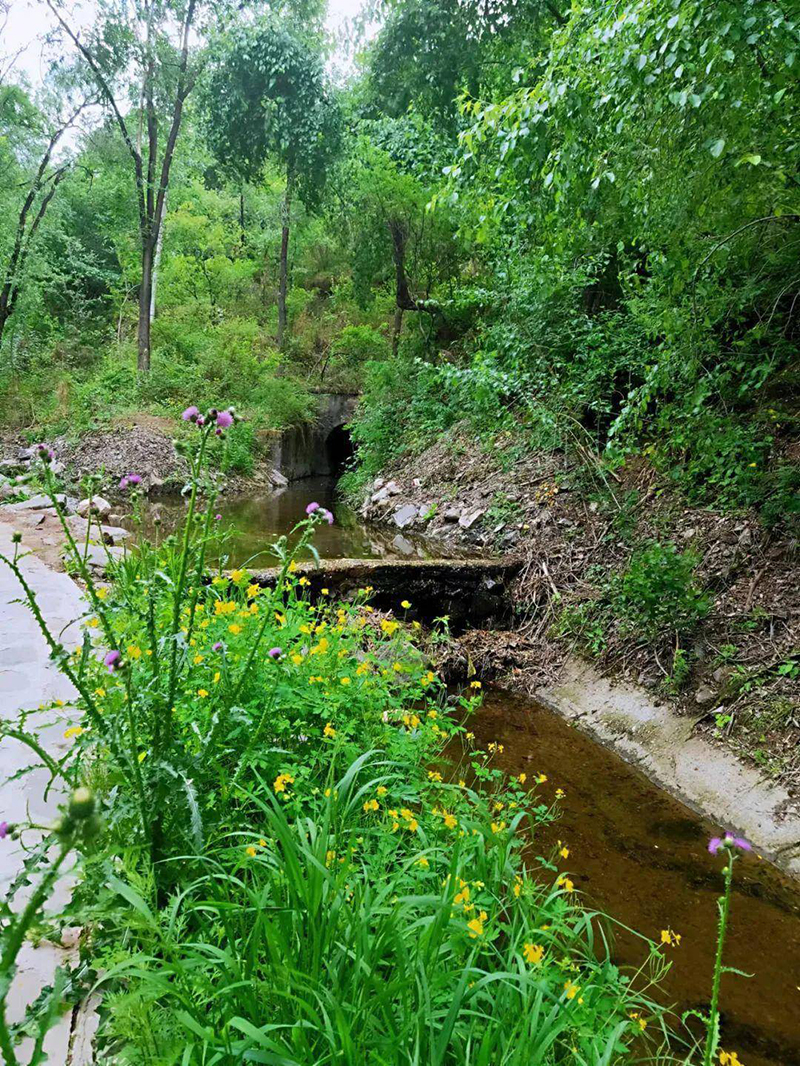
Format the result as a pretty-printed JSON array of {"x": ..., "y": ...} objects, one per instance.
[{"x": 82, "y": 803}]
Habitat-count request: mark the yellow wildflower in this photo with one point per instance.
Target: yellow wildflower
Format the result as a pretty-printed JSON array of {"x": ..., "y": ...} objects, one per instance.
[
  {"x": 344, "y": 680},
  {"x": 475, "y": 684},
  {"x": 563, "y": 850},
  {"x": 202, "y": 693},
  {"x": 534, "y": 953},
  {"x": 422, "y": 861},
  {"x": 450, "y": 820},
  {"x": 329, "y": 731},
  {"x": 571, "y": 989},
  {"x": 234, "y": 628},
  {"x": 371, "y": 805},
  {"x": 281, "y": 781},
  {"x": 237, "y": 575},
  {"x": 252, "y": 852},
  {"x": 381, "y": 790},
  {"x": 197, "y": 660},
  {"x": 729, "y": 1058},
  {"x": 635, "y": 1016},
  {"x": 73, "y": 731},
  {"x": 253, "y": 591},
  {"x": 102, "y": 592},
  {"x": 434, "y": 775},
  {"x": 93, "y": 623},
  {"x": 670, "y": 938},
  {"x": 522, "y": 778},
  {"x": 134, "y": 651},
  {"x": 476, "y": 925},
  {"x": 405, "y": 604},
  {"x": 566, "y": 884},
  {"x": 498, "y": 827}
]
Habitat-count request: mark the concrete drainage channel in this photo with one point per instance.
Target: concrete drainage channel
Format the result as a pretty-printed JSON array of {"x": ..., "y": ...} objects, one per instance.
[{"x": 663, "y": 745}]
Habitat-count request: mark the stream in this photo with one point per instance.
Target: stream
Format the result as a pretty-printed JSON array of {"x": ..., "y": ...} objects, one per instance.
[
  {"x": 635, "y": 852},
  {"x": 255, "y": 522}
]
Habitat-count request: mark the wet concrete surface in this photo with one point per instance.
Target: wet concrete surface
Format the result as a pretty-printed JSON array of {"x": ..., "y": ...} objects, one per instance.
[{"x": 640, "y": 855}]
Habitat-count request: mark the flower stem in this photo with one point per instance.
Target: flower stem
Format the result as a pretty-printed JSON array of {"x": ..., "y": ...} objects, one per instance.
[{"x": 712, "y": 1026}]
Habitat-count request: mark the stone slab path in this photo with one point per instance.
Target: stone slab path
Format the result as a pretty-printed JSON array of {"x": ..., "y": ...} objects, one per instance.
[{"x": 28, "y": 679}]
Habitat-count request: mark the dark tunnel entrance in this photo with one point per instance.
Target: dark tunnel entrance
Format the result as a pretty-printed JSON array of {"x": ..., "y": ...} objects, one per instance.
[{"x": 339, "y": 450}]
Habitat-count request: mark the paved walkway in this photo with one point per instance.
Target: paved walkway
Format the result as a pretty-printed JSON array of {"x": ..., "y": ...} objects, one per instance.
[{"x": 28, "y": 679}]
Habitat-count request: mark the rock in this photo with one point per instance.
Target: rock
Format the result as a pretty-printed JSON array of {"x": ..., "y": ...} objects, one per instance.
[
  {"x": 7, "y": 491},
  {"x": 393, "y": 489},
  {"x": 467, "y": 521},
  {"x": 40, "y": 520},
  {"x": 36, "y": 503},
  {"x": 380, "y": 495},
  {"x": 689, "y": 533},
  {"x": 705, "y": 694},
  {"x": 746, "y": 538},
  {"x": 378, "y": 483},
  {"x": 451, "y": 514},
  {"x": 405, "y": 547},
  {"x": 416, "y": 483},
  {"x": 97, "y": 505},
  {"x": 9, "y": 467},
  {"x": 405, "y": 515},
  {"x": 97, "y": 557},
  {"x": 114, "y": 534},
  {"x": 277, "y": 479}
]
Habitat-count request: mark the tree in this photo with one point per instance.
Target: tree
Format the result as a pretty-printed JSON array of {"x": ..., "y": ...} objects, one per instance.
[
  {"x": 38, "y": 133},
  {"x": 267, "y": 100},
  {"x": 144, "y": 47}
]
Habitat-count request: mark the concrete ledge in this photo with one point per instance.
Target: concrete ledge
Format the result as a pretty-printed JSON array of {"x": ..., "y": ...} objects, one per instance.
[
  {"x": 468, "y": 591},
  {"x": 709, "y": 779}
]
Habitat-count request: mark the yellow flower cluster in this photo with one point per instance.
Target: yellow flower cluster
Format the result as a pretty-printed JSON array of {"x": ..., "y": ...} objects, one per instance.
[{"x": 281, "y": 781}]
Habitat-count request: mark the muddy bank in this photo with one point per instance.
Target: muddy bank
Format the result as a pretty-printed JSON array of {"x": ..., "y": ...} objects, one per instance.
[{"x": 735, "y": 674}]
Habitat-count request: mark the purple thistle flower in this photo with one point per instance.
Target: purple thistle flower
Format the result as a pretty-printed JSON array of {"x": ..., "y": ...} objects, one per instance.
[
  {"x": 728, "y": 841},
  {"x": 134, "y": 479},
  {"x": 275, "y": 653},
  {"x": 199, "y": 421},
  {"x": 218, "y": 646},
  {"x": 113, "y": 660},
  {"x": 217, "y": 517},
  {"x": 123, "y": 483},
  {"x": 327, "y": 515},
  {"x": 312, "y": 507},
  {"x": 190, "y": 414},
  {"x": 224, "y": 419},
  {"x": 4, "y": 827}
]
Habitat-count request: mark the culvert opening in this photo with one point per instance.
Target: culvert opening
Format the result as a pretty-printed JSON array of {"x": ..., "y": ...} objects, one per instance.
[{"x": 339, "y": 449}]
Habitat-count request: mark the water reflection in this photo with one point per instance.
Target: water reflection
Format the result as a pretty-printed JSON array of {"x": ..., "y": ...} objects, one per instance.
[{"x": 255, "y": 522}]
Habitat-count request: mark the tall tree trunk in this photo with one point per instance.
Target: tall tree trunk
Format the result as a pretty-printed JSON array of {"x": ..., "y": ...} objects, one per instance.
[
  {"x": 157, "y": 261},
  {"x": 241, "y": 218},
  {"x": 145, "y": 300},
  {"x": 284, "y": 264},
  {"x": 3, "y": 319}
]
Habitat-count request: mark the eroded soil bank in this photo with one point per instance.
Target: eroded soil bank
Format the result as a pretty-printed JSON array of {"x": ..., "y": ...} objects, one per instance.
[{"x": 735, "y": 675}]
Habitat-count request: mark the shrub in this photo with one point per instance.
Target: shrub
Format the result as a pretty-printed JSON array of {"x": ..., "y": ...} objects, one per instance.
[{"x": 659, "y": 590}]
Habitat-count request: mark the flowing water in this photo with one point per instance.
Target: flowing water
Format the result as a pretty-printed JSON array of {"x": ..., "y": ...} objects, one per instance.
[
  {"x": 641, "y": 856},
  {"x": 635, "y": 852}
]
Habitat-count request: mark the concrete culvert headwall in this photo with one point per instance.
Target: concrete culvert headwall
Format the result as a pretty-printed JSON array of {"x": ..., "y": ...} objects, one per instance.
[{"x": 321, "y": 449}]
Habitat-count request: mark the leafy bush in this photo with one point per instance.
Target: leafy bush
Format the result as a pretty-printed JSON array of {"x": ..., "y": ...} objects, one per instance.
[{"x": 659, "y": 590}]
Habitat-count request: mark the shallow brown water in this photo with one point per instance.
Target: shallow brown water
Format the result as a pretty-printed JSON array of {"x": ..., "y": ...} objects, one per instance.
[
  {"x": 641, "y": 856},
  {"x": 255, "y": 522}
]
